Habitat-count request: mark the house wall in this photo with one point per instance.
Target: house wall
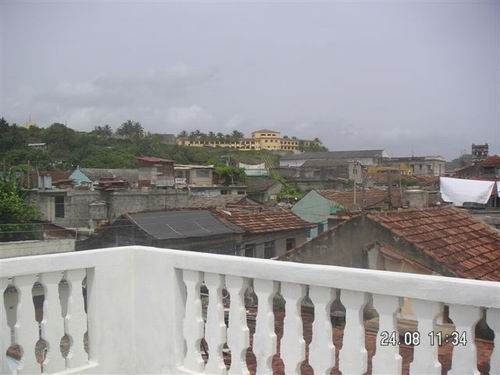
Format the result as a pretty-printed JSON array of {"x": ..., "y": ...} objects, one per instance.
[
  {"x": 268, "y": 195},
  {"x": 427, "y": 167},
  {"x": 220, "y": 244},
  {"x": 279, "y": 239},
  {"x": 24, "y": 248},
  {"x": 86, "y": 208},
  {"x": 347, "y": 245},
  {"x": 314, "y": 208},
  {"x": 197, "y": 180},
  {"x": 76, "y": 206}
]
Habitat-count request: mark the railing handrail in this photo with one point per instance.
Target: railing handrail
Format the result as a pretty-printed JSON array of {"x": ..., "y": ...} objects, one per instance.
[{"x": 448, "y": 290}]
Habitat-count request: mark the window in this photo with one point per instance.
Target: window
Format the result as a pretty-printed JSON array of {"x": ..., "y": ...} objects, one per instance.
[
  {"x": 202, "y": 173},
  {"x": 250, "y": 250},
  {"x": 269, "y": 249},
  {"x": 290, "y": 243},
  {"x": 225, "y": 192},
  {"x": 321, "y": 228},
  {"x": 59, "y": 206}
]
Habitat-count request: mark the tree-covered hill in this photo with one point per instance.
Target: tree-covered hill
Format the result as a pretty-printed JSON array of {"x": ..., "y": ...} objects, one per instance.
[{"x": 101, "y": 148}]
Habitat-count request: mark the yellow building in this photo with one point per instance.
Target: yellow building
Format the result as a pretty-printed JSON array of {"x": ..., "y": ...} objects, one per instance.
[{"x": 263, "y": 139}]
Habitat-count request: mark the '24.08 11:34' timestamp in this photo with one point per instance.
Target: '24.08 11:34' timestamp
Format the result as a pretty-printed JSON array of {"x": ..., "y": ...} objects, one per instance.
[{"x": 414, "y": 338}]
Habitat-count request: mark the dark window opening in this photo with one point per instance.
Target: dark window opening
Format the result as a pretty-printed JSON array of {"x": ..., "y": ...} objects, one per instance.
[
  {"x": 59, "y": 206},
  {"x": 321, "y": 228},
  {"x": 250, "y": 250},
  {"x": 269, "y": 249},
  {"x": 202, "y": 173},
  {"x": 290, "y": 243}
]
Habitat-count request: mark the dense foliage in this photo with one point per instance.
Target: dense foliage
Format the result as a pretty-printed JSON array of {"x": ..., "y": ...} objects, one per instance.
[
  {"x": 230, "y": 175},
  {"x": 16, "y": 215},
  {"x": 103, "y": 148}
]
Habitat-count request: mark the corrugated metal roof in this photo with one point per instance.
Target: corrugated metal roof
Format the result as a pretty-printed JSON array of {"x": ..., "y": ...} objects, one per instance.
[{"x": 181, "y": 224}]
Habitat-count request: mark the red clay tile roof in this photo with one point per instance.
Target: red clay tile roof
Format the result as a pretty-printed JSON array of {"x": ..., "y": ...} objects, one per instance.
[
  {"x": 373, "y": 198},
  {"x": 492, "y": 161},
  {"x": 263, "y": 220},
  {"x": 460, "y": 244}
]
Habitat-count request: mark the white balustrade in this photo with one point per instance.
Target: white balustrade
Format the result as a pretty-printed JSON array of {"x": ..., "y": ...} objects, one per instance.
[
  {"x": 52, "y": 325},
  {"x": 353, "y": 356},
  {"x": 464, "y": 359},
  {"x": 321, "y": 349},
  {"x": 493, "y": 320},
  {"x": 145, "y": 297},
  {"x": 193, "y": 322},
  {"x": 5, "y": 339},
  {"x": 292, "y": 343},
  {"x": 26, "y": 328},
  {"x": 215, "y": 333},
  {"x": 387, "y": 359},
  {"x": 75, "y": 321},
  {"x": 238, "y": 336},
  {"x": 264, "y": 339},
  {"x": 425, "y": 355}
]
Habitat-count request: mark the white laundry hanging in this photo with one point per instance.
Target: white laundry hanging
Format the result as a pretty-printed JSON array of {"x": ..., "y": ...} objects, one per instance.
[{"x": 459, "y": 191}]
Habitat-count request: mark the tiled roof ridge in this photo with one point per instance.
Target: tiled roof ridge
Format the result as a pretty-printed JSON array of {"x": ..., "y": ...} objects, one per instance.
[{"x": 437, "y": 208}]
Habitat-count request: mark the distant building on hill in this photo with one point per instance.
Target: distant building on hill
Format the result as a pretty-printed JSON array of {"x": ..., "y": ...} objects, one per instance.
[
  {"x": 479, "y": 153},
  {"x": 263, "y": 139}
]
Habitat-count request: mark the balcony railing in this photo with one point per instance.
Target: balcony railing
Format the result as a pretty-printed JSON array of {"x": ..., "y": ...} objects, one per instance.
[{"x": 143, "y": 310}]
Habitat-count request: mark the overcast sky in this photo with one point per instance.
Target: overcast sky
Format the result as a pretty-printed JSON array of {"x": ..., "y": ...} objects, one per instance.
[{"x": 420, "y": 76}]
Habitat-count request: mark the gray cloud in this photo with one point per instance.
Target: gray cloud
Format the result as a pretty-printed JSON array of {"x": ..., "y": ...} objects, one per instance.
[
  {"x": 403, "y": 76},
  {"x": 148, "y": 96}
]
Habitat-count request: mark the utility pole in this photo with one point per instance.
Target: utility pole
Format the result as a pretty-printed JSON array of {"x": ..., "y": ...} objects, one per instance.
[
  {"x": 355, "y": 175},
  {"x": 29, "y": 184},
  {"x": 389, "y": 188},
  {"x": 363, "y": 197},
  {"x": 354, "y": 190}
]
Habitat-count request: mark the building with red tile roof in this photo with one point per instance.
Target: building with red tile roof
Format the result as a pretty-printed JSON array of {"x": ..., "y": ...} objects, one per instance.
[
  {"x": 368, "y": 199},
  {"x": 262, "y": 220},
  {"x": 268, "y": 232},
  {"x": 449, "y": 238},
  {"x": 446, "y": 241}
]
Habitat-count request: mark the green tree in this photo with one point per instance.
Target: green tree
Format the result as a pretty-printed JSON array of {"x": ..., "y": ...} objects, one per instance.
[
  {"x": 103, "y": 131},
  {"x": 131, "y": 130},
  {"x": 237, "y": 136},
  {"x": 230, "y": 175},
  {"x": 16, "y": 215}
]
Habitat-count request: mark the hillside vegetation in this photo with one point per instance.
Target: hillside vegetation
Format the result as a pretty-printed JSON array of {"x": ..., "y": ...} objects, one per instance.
[{"x": 103, "y": 148}]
